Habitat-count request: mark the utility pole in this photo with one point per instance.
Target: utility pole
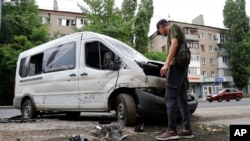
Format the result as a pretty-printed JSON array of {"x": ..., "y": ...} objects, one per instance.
[{"x": 1, "y": 4}]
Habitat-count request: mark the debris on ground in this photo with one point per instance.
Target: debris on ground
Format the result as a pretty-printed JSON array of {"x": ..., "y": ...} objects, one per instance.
[
  {"x": 111, "y": 132},
  {"x": 139, "y": 128},
  {"x": 16, "y": 119},
  {"x": 78, "y": 138}
]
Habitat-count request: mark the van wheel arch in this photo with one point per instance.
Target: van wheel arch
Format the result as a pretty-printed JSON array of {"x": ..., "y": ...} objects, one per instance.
[
  {"x": 114, "y": 95},
  {"x": 28, "y": 102}
]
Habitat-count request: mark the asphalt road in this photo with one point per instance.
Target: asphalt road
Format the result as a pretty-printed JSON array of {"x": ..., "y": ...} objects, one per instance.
[
  {"x": 6, "y": 112},
  {"x": 242, "y": 102}
]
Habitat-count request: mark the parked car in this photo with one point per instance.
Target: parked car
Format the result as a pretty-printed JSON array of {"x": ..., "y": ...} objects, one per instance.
[
  {"x": 89, "y": 72},
  {"x": 225, "y": 94}
]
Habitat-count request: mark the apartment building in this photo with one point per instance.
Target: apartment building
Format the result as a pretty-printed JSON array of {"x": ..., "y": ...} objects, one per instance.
[
  {"x": 208, "y": 70},
  {"x": 61, "y": 22}
]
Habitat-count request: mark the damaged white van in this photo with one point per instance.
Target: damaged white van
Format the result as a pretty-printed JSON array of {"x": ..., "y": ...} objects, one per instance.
[{"x": 89, "y": 72}]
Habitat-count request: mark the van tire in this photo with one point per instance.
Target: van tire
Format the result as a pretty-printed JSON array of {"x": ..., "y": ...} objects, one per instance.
[
  {"x": 28, "y": 110},
  {"x": 126, "y": 111}
]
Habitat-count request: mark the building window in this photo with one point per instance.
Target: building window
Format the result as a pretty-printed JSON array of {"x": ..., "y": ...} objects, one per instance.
[
  {"x": 222, "y": 38},
  {"x": 209, "y": 36},
  {"x": 202, "y": 47},
  {"x": 192, "y": 44},
  {"x": 211, "y": 48},
  {"x": 225, "y": 59},
  {"x": 212, "y": 74},
  {"x": 195, "y": 58},
  {"x": 64, "y": 22},
  {"x": 226, "y": 72},
  {"x": 203, "y": 61},
  {"x": 211, "y": 61},
  {"x": 44, "y": 20},
  {"x": 192, "y": 71},
  {"x": 201, "y": 35},
  {"x": 191, "y": 31},
  {"x": 82, "y": 21},
  {"x": 204, "y": 73}
]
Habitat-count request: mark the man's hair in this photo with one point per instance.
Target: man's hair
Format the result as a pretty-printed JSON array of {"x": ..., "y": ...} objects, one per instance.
[{"x": 159, "y": 23}]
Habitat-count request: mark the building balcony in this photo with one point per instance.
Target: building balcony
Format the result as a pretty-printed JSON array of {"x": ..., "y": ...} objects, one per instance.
[{"x": 192, "y": 37}]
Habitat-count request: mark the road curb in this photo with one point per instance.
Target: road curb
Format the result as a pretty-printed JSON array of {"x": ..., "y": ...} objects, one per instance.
[{"x": 6, "y": 107}]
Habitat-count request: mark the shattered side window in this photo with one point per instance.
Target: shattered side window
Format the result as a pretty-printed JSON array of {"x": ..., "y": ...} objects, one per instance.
[
  {"x": 35, "y": 64},
  {"x": 95, "y": 52},
  {"x": 62, "y": 57}
]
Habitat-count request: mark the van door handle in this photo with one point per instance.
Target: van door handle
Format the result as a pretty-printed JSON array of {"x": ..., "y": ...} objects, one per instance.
[
  {"x": 72, "y": 75},
  {"x": 84, "y": 74}
]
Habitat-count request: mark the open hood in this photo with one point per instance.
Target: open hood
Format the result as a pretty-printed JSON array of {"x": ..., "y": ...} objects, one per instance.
[{"x": 151, "y": 67}]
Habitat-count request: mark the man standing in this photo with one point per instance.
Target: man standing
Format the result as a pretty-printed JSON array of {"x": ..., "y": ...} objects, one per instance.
[{"x": 176, "y": 83}]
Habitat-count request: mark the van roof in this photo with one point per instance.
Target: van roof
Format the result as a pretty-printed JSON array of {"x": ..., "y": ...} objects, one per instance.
[{"x": 42, "y": 47}]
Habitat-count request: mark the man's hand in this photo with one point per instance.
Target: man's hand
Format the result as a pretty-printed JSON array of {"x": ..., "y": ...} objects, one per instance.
[{"x": 164, "y": 70}]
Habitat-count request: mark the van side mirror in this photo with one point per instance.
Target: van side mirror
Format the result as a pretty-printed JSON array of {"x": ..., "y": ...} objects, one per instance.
[{"x": 111, "y": 61}]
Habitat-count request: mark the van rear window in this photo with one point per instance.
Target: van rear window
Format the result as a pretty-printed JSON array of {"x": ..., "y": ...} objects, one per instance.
[
  {"x": 23, "y": 68},
  {"x": 62, "y": 57}
]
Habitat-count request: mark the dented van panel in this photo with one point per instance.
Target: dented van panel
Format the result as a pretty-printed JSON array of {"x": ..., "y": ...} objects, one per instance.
[{"x": 87, "y": 71}]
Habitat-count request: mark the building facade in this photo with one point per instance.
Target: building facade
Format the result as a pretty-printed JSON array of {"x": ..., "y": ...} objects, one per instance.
[
  {"x": 208, "y": 69},
  {"x": 61, "y": 22}
]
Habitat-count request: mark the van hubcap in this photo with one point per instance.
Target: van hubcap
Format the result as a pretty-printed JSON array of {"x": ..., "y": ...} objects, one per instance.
[
  {"x": 27, "y": 111},
  {"x": 120, "y": 111}
]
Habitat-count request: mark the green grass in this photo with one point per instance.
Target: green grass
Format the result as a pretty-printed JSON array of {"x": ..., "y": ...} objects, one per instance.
[{"x": 246, "y": 96}]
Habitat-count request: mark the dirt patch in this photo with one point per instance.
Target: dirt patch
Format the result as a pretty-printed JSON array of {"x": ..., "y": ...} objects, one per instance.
[{"x": 60, "y": 129}]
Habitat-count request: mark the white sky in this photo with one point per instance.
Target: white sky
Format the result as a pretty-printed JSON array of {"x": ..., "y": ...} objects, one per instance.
[{"x": 178, "y": 10}]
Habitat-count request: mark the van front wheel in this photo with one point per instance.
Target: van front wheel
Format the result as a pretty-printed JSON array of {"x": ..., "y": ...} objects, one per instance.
[
  {"x": 28, "y": 110},
  {"x": 126, "y": 110}
]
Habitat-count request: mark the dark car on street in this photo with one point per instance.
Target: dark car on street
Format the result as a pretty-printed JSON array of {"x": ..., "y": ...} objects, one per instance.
[{"x": 225, "y": 94}]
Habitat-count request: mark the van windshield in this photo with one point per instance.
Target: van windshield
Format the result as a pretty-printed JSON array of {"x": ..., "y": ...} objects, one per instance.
[{"x": 127, "y": 50}]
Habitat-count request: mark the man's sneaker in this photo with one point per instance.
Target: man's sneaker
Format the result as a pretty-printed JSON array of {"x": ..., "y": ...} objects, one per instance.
[
  {"x": 187, "y": 134},
  {"x": 168, "y": 135}
]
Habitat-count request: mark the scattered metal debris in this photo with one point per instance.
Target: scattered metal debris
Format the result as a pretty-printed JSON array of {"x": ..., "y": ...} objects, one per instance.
[
  {"x": 78, "y": 138},
  {"x": 111, "y": 132}
]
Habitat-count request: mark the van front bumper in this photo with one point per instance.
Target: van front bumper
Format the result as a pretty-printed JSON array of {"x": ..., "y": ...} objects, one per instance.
[{"x": 151, "y": 105}]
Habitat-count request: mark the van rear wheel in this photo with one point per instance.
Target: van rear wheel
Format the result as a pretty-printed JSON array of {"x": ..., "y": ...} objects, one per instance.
[
  {"x": 28, "y": 110},
  {"x": 126, "y": 110}
]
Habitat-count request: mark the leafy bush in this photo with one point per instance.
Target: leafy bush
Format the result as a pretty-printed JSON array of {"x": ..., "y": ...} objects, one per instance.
[{"x": 158, "y": 56}]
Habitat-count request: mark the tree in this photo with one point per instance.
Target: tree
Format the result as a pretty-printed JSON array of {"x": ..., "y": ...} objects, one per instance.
[
  {"x": 102, "y": 17},
  {"x": 128, "y": 9},
  {"x": 128, "y": 13},
  {"x": 142, "y": 23},
  {"x": 237, "y": 43},
  {"x": 21, "y": 29},
  {"x": 236, "y": 20}
]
